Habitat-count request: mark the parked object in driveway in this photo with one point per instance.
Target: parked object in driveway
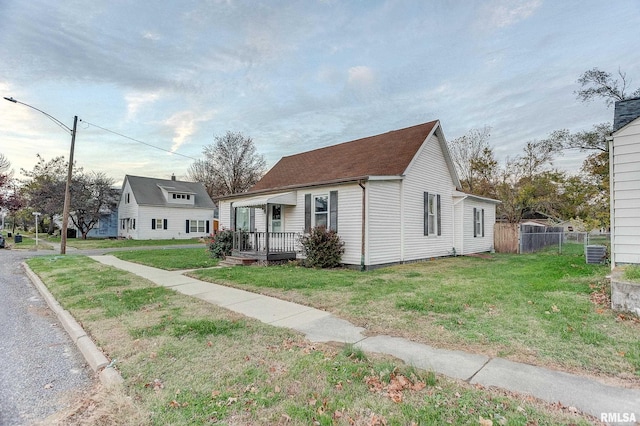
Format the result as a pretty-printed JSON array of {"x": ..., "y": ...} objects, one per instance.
[{"x": 1, "y": 241}]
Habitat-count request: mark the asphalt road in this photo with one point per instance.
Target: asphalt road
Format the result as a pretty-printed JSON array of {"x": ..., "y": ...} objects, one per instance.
[{"x": 41, "y": 370}]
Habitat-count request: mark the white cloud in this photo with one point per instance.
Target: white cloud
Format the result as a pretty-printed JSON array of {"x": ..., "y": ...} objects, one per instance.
[
  {"x": 504, "y": 13},
  {"x": 361, "y": 76},
  {"x": 137, "y": 100},
  {"x": 184, "y": 124},
  {"x": 150, "y": 35}
]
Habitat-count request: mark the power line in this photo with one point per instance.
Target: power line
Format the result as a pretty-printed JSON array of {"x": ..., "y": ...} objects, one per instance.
[{"x": 138, "y": 141}]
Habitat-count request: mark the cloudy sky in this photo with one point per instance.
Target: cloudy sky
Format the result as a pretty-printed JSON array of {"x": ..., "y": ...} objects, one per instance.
[{"x": 297, "y": 75}]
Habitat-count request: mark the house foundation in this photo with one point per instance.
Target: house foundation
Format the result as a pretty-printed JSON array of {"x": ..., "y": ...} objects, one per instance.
[{"x": 625, "y": 295}]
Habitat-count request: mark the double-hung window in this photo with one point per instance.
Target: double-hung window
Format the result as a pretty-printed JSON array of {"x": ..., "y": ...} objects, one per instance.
[
  {"x": 432, "y": 218},
  {"x": 478, "y": 222},
  {"x": 321, "y": 210},
  {"x": 196, "y": 226},
  {"x": 159, "y": 224}
]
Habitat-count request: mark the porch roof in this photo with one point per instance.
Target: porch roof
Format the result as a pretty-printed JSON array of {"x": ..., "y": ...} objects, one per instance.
[{"x": 286, "y": 198}]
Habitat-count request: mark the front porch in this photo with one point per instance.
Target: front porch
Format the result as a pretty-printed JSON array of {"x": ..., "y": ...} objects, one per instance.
[{"x": 265, "y": 246}]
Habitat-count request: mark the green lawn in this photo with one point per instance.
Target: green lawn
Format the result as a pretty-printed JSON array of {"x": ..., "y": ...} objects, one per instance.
[
  {"x": 28, "y": 242},
  {"x": 99, "y": 243},
  {"x": 533, "y": 308},
  {"x": 185, "y": 361},
  {"x": 170, "y": 259}
]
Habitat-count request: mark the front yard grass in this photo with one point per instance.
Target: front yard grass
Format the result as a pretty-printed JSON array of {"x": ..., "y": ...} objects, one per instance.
[
  {"x": 170, "y": 259},
  {"x": 185, "y": 361},
  {"x": 99, "y": 243},
  {"x": 547, "y": 309},
  {"x": 28, "y": 242}
]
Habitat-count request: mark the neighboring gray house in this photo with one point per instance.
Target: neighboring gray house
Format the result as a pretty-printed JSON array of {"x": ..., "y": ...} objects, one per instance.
[
  {"x": 624, "y": 163},
  {"x": 154, "y": 209},
  {"x": 392, "y": 198}
]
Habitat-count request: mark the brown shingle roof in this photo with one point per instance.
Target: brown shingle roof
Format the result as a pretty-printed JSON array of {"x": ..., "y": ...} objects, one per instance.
[{"x": 388, "y": 154}]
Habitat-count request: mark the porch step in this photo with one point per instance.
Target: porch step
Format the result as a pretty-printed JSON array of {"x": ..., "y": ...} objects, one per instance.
[{"x": 237, "y": 260}]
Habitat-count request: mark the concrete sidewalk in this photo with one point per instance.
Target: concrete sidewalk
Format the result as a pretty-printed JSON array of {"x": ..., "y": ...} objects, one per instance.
[{"x": 587, "y": 395}]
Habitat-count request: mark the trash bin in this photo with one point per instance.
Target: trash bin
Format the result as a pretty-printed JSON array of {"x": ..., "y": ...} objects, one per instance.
[
  {"x": 17, "y": 238},
  {"x": 9, "y": 234}
]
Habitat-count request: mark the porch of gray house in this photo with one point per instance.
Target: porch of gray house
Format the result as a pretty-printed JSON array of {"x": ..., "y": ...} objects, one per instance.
[{"x": 251, "y": 247}]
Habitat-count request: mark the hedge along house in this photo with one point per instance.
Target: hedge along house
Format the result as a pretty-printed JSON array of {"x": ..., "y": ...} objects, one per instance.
[
  {"x": 155, "y": 209},
  {"x": 392, "y": 198}
]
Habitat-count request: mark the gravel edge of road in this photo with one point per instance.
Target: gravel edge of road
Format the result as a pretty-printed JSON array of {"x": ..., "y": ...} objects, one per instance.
[{"x": 109, "y": 376}]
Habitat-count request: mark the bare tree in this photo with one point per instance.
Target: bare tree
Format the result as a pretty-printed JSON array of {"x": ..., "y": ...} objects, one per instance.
[
  {"x": 601, "y": 84},
  {"x": 473, "y": 158},
  {"x": 231, "y": 165}
]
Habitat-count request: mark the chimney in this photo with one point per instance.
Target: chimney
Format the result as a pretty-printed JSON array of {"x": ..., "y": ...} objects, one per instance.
[
  {"x": 625, "y": 112},
  {"x": 173, "y": 176}
]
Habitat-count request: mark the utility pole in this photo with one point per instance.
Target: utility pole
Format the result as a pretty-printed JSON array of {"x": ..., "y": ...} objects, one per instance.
[{"x": 67, "y": 192}]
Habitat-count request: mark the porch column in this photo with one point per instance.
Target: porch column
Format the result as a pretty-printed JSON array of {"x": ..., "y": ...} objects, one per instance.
[{"x": 266, "y": 238}]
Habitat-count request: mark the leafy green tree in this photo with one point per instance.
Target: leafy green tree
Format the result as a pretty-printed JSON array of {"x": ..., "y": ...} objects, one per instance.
[
  {"x": 5, "y": 180},
  {"x": 45, "y": 185},
  {"x": 93, "y": 197}
]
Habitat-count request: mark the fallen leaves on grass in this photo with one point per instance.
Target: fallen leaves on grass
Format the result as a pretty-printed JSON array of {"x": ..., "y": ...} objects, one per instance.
[
  {"x": 156, "y": 385},
  {"x": 600, "y": 296},
  {"x": 395, "y": 388},
  {"x": 628, "y": 317}
]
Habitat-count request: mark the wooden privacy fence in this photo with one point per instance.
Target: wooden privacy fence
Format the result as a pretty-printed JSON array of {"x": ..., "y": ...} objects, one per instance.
[{"x": 505, "y": 237}]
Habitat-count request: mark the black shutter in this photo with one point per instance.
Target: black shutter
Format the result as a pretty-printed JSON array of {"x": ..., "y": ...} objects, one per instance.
[
  {"x": 425, "y": 218},
  {"x": 207, "y": 222},
  {"x": 164, "y": 223},
  {"x": 475, "y": 232},
  {"x": 482, "y": 222},
  {"x": 187, "y": 228},
  {"x": 153, "y": 224},
  {"x": 307, "y": 213},
  {"x": 232, "y": 218},
  {"x": 438, "y": 213},
  {"x": 252, "y": 219},
  {"x": 333, "y": 210}
]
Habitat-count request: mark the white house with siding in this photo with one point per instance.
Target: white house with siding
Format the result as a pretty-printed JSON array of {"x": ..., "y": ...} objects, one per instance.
[
  {"x": 624, "y": 174},
  {"x": 392, "y": 198},
  {"x": 155, "y": 209}
]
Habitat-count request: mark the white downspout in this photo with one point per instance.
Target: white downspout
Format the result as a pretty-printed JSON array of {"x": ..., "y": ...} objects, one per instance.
[
  {"x": 612, "y": 213},
  {"x": 402, "y": 240}
]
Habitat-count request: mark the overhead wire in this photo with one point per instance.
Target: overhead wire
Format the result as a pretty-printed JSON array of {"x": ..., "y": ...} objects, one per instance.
[{"x": 136, "y": 140}]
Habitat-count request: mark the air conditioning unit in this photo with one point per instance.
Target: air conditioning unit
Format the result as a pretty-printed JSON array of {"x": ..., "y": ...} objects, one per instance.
[{"x": 596, "y": 254}]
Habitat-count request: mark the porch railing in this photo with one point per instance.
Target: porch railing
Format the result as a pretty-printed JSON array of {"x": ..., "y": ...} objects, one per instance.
[{"x": 265, "y": 242}]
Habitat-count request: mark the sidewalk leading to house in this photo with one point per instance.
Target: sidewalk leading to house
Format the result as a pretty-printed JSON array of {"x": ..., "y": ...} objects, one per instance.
[{"x": 585, "y": 394}]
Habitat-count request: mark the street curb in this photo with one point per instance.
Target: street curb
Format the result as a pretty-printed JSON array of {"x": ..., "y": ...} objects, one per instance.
[{"x": 98, "y": 362}]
